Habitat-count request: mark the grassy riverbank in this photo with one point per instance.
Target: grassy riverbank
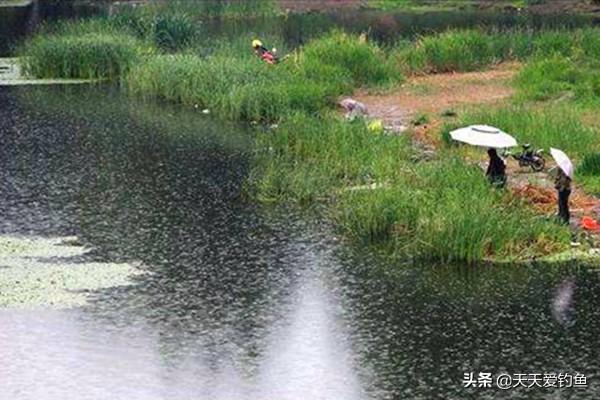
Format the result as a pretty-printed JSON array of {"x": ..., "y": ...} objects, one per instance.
[
  {"x": 375, "y": 186},
  {"x": 441, "y": 209},
  {"x": 244, "y": 88}
]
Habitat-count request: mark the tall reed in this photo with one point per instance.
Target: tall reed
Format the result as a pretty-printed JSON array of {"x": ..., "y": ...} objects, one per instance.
[{"x": 87, "y": 56}]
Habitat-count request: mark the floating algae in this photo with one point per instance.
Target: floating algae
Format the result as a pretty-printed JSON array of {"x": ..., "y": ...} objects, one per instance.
[{"x": 53, "y": 272}]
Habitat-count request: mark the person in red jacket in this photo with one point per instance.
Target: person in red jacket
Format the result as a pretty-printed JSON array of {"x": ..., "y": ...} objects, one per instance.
[{"x": 263, "y": 53}]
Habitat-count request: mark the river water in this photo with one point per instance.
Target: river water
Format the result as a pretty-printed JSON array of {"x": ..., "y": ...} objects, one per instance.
[{"x": 241, "y": 301}]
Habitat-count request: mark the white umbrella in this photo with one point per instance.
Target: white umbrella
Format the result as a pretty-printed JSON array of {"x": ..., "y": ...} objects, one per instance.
[
  {"x": 562, "y": 161},
  {"x": 484, "y": 136}
]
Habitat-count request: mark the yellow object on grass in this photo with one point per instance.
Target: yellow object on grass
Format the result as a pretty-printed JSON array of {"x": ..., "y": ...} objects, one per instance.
[
  {"x": 375, "y": 126},
  {"x": 256, "y": 43}
]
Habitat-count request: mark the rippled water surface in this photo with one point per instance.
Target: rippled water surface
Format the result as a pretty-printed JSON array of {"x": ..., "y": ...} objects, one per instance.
[{"x": 240, "y": 301}]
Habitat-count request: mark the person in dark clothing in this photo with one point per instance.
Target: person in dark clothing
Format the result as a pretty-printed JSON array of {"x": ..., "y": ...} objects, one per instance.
[
  {"x": 562, "y": 183},
  {"x": 496, "y": 171}
]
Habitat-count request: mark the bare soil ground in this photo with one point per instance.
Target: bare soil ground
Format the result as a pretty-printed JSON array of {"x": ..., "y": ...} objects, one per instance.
[{"x": 433, "y": 95}]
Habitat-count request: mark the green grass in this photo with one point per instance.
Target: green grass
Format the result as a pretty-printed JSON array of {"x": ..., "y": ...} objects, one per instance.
[
  {"x": 556, "y": 125},
  {"x": 309, "y": 158},
  {"x": 446, "y": 210},
  {"x": 449, "y": 51},
  {"x": 546, "y": 78},
  {"x": 442, "y": 210},
  {"x": 86, "y": 56},
  {"x": 170, "y": 31},
  {"x": 245, "y": 88},
  {"x": 475, "y": 49},
  {"x": 590, "y": 165},
  {"x": 557, "y": 77},
  {"x": 588, "y": 172},
  {"x": 364, "y": 61},
  {"x": 235, "y": 89}
]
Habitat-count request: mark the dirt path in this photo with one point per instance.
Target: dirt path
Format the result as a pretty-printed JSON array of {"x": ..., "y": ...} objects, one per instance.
[{"x": 433, "y": 95}]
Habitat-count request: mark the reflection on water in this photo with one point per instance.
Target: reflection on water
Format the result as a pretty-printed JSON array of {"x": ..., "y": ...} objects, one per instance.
[
  {"x": 241, "y": 301},
  {"x": 66, "y": 354},
  {"x": 563, "y": 308}
]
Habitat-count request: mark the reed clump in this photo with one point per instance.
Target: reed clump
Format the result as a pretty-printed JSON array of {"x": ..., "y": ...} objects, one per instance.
[
  {"x": 168, "y": 31},
  {"x": 87, "y": 56},
  {"x": 556, "y": 77},
  {"x": 310, "y": 158},
  {"x": 236, "y": 89},
  {"x": 363, "y": 61}
]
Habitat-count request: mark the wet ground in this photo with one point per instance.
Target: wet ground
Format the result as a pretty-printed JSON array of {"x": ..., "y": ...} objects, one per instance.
[{"x": 242, "y": 301}]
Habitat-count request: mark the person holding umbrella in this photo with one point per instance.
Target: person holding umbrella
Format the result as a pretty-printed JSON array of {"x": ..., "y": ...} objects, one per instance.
[
  {"x": 562, "y": 183},
  {"x": 491, "y": 138}
]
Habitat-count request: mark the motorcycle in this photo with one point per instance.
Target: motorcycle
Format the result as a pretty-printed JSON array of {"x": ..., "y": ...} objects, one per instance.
[{"x": 529, "y": 157}]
